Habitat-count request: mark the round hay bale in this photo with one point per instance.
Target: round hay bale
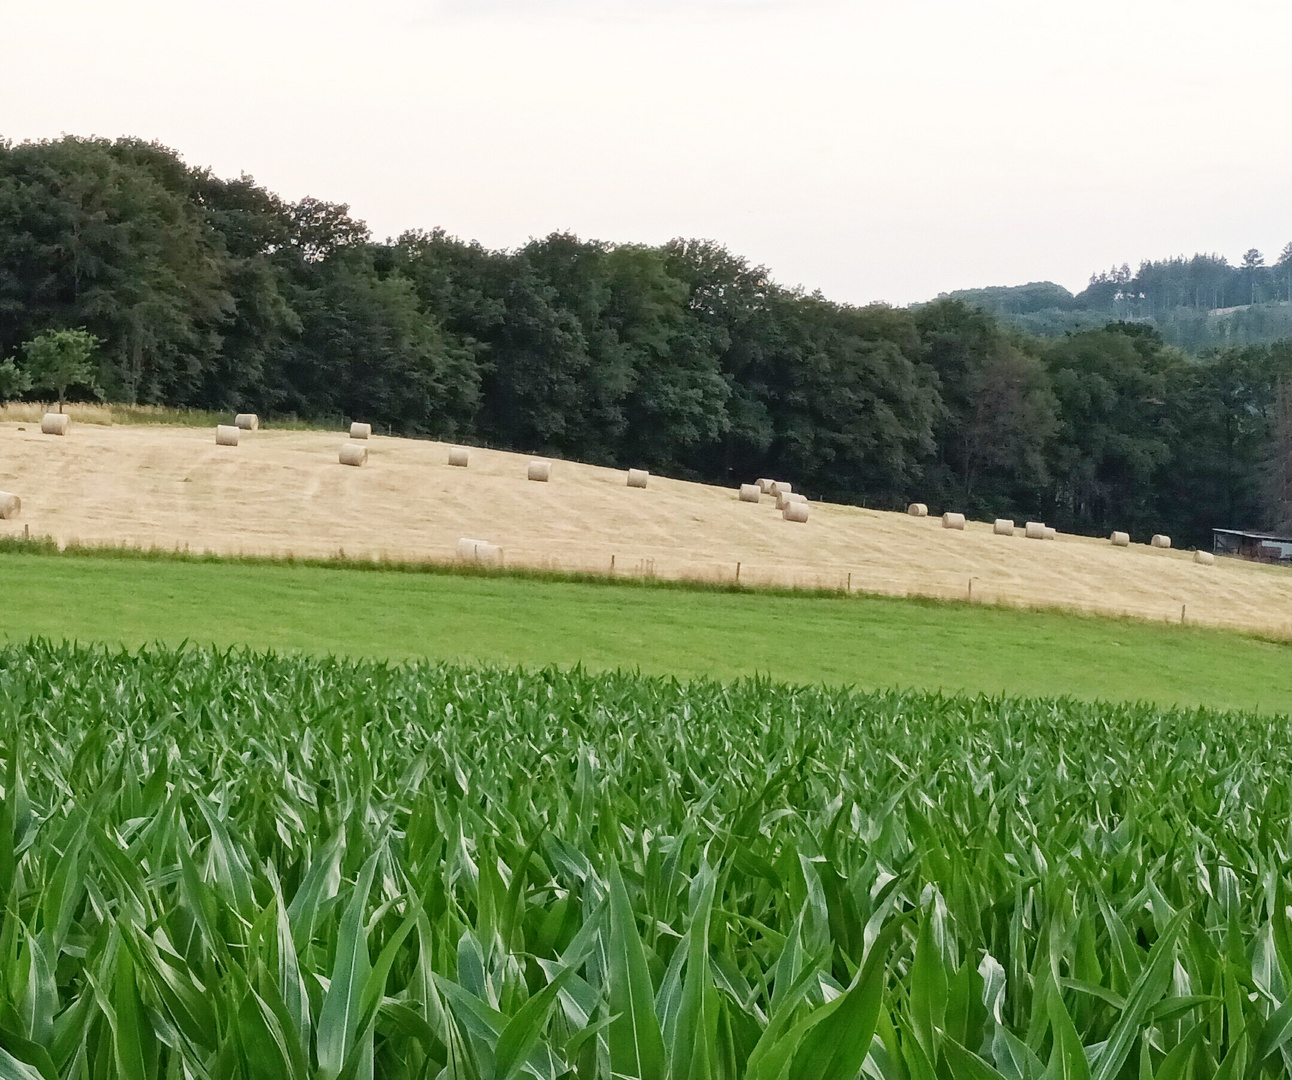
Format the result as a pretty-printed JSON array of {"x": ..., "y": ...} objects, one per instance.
[
  {"x": 1034, "y": 530},
  {"x": 353, "y": 455},
  {"x": 918, "y": 510},
  {"x": 780, "y": 487},
  {"x": 10, "y": 506},
  {"x": 361, "y": 431},
  {"x": 1204, "y": 558},
  {"x": 1003, "y": 527},
  {"x": 764, "y": 486},
  {"x": 787, "y": 497},
  {"x": 795, "y": 511},
  {"x": 751, "y": 492},
  {"x": 247, "y": 421},
  {"x": 458, "y": 456},
  {"x": 540, "y": 471},
  {"x": 479, "y": 551},
  {"x": 54, "y": 423},
  {"x": 953, "y": 521},
  {"x": 1120, "y": 539},
  {"x": 226, "y": 435},
  {"x": 1051, "y": 533},
  {"x": 637, "y": 478},
  {"x": 1160, "y": 541}
]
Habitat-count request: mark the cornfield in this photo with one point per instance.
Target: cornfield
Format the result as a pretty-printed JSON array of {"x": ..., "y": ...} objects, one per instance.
[{"x": 235, "y": 865}]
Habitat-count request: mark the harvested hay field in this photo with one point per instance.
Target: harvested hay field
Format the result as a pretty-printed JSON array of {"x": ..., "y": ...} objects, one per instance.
[{"x": 282, "y": 493}]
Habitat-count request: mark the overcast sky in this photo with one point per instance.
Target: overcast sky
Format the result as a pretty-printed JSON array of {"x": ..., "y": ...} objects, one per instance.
[{"x": 877, "y": 151}]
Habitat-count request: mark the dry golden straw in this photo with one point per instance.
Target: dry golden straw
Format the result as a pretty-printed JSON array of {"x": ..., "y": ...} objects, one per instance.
[
  {"x": 10, "y": 505},
  {"x": 1160, "y": 541},
  {"x": 750, "y": 493},
  {"x": 247, "y": 421},
  {"x": 1120, "y": 539},
  {"x": 353, "y": 454},
  {"x": 226, "y": 435},
  {"x": 1003, "y": 527},
  {"x": 479, "y": 551},
  {"x": 918, "y": 510},
  {"x": 54, "y": 423},
  {"x": 1204, "y": 558},
  {"x": 540, "y": 471},
  {"x": 361, "y": 431},
  {"x": 795, "y": 511},
  {"x": 458, "y": 456},
  {"x": 637, "y": 478},
  {"x": 953, "y": 521}
]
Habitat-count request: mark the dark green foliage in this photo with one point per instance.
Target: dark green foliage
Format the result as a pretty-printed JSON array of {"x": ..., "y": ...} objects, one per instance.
[
  {"x": 685, "y": 359},
  {"x": 57, "y": 360},
  {"x": 239, "y": 865}
]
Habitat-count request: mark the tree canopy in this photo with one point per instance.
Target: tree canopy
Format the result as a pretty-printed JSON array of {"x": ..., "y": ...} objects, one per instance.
[{"x": 684, "y": 358}]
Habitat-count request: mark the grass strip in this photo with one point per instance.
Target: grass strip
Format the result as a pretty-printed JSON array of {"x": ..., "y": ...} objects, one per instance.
[{"x": 657, "y": 628}]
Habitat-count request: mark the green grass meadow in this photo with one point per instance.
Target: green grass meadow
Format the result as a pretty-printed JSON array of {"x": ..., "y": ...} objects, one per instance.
[{"x": 860, "y": 641}]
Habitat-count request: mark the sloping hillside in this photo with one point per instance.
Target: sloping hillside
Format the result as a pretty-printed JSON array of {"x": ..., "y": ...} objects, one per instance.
[{"x": 283, "y": 493}]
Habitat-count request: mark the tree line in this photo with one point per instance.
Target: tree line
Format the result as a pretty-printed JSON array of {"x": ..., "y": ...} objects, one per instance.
[{"x": 683, "y": 358}]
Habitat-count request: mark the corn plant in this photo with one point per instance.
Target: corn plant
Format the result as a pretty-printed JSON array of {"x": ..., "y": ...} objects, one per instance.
[{"x": 221, "y": 864}]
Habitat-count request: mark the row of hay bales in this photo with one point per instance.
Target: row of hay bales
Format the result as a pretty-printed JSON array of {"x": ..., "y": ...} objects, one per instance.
[
  {"x": 1038, "y": 530},
  {"x": 352, "y": 452},
  {"x": 792, "y": 505}
]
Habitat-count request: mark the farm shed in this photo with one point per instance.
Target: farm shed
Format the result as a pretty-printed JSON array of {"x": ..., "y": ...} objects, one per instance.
[{"x": 1257, "y": 547}]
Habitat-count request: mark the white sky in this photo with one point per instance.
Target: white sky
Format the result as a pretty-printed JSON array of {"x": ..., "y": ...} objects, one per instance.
[{"x": 875, "y": 150}]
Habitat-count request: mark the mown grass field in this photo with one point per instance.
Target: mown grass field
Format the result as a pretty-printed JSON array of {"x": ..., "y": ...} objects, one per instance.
[
  {"x": 842, "y": 641},
  {"x": 230, "y": 865}
]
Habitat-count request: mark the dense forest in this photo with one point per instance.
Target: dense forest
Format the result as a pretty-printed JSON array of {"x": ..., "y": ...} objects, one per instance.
[
  {"x": 683, "y": 358},
  {"x": 1199, "y": 303}
]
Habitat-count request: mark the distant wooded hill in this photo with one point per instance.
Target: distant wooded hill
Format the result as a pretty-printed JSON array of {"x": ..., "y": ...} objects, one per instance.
[{"x": 1197, "y": 303}]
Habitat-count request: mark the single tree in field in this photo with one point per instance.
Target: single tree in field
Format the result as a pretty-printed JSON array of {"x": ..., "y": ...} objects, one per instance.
[{"x": 59, "y": 359}]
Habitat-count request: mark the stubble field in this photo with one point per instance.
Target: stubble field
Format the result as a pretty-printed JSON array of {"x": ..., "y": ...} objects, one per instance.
[{"x": 283, "y": 493}]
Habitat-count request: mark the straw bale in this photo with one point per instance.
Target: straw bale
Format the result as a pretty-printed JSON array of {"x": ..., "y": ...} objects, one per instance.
[
  {"x": 479, "y": 551},
  {"x": 1003, "y": 527},
  {"x": 226, "y": 435},
  {"x": 247, "y": 421},
  {"x": 540, "y": 471},
  {"x": 750, "y": 492},
  {"x": 637, "y": 478},
  {"x": 1120, "y": 539},
  {"x": 353, "y": 455},
  {"x": 918, "y": 510},
  {"x": 10, "y": 506},
  {"x": 1051, "y": 533},
  {"x": 1034, "y": 530},
  {"x": 764, "y": 485},
  {"x": 780, "y": 487},
  {"x": 795, "y": 510},
  {"x": 953, "y": 521},
  {"x": 1204, "y": 558},
  {"x": 361, "y": 431},
  {"x": 54, "y": 423},
  {"x": 1160, "y": 541},
  {"x": 458, "y": 456}
]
